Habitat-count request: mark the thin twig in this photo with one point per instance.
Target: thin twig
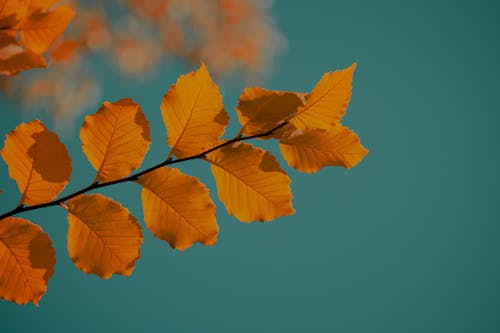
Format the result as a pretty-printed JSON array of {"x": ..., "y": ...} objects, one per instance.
[{"x": 136, "y": 176}]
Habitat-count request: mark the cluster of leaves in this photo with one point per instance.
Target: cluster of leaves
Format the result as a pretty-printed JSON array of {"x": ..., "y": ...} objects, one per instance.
[
  {"x": 36, "y": 24},
  {"x": 103, "y": 237},
  {"x": 228, "y": 35}
]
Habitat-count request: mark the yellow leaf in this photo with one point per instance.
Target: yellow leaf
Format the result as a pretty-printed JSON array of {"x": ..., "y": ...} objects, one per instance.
[
  {"x": 193, "y": 113},
  {"x": 37, "y": 161},
  {"x": 41, "y": 28},
  {"x": 327, "y": 102},
  {"x": 27, "y": 261},
  {"x": 251, "y": 183},
  {"x": 178, "y": 209},
  {"x": 314, "y": 149},
  {"x": 261, "y": 110},
  {"x": 15, "y": 59},
  {"x": 103, "y": 237},
  {"x": 115, "y": 139}
]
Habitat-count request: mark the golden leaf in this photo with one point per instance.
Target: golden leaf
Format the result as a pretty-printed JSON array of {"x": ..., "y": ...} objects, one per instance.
[
  {"x": 27, "y": 261},
  {"x": 42, "y": 4},
  {"x": 12, "y": 11},
  {"x": 67, "y": 50},
  {"x": 177, "y": 208},
  {"x": 41, "y": 28},
  {"x": 327, "y": 102},
  {"x": 193, "y": 113},
  {"x": 115, "y": 139},
  {"x": 7, "y": 38},
  {"x": 314, "y": 149},
  {"x": 37, "y": 161},
  {"x": 261, "y": 110},
  {"x": 251, "y": 183},
  {"x": 103, "y": 237},
  {"x": 14, "y": 59}
]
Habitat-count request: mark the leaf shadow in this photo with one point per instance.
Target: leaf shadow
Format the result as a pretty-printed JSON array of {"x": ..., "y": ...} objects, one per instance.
[
  {"x": 221, "y": 118},
  {"x": 39, "y": 257},
  {"x": 271, "y": 107},
  {"x": 141, "y": 120},
  {"x": 269, "y": 163},
  {"x": 50, "y": 157}
]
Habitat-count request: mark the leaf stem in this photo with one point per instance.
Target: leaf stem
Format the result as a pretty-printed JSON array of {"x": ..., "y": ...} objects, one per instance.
[{"x": 137, "y": 175}]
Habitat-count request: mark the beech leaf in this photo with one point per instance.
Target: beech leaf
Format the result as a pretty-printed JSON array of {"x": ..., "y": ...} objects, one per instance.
[
  {"x": 327, "y": 102},
  {"x": 27, "y": 261},
  {"x": 178, "y": 209},
  {"x": 103, "y": 237},
  {"x": 37, "y": 161},
  {"x": 310, "y": 151},
  {"x": 66, "y": 50},
  {"x": 12, "y": 11},
  {"x": 42, "y": 4},
  {"x": 41, "y": 28},
  {"x": 115, "y": 139},
  {"x": 251, "y": 183},
  {"x": 193, "y": 113},
  {"x": 261, "y": 110},
  {"x": 15, "y": 59}
]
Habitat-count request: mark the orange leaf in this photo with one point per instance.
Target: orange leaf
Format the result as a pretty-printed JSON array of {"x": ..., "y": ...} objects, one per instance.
[
  {"x": 103, "y": 237},
  {"x": 27, "y": 261},
  {"x": 251, "y": 183},
  {"x": 178, "y": 209},
  {"x": 193, "y": 113},
  {"x": 41, "y": 28},
  {"x": 37, "y": 161},
  {"x": 261, "y": 110},
  {"x": 15, "y": 59},
  {"x": 115, "y": 139},
  {"x": 42, "y": 4},
  {"x": 12, "y": 11},
  {"x": 8, "y": 37},
  {"x": 314, "y": 149},
  {"x": 66, "y": 50},
  {"x": 327, "y": 102}
]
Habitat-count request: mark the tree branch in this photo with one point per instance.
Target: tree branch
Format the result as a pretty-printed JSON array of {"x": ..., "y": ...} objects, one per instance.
[{"x": 136, "y": 176}]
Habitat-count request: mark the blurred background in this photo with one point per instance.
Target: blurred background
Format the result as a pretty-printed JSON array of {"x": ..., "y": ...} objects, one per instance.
[{"x": 407, "y": 241}]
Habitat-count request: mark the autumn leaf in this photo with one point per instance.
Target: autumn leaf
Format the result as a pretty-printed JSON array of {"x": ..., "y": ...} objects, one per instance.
[
  {"x": 41, "y": 28},
  {"x": 15, "y": 59},
  {"x": 193, "y": 113},
  {"x": 177, "y": 208},
  {"x": 103, "y": 237},
  {"x": 37, "y": 161},
  {"x": 314, "y": 149},
  {"x": 327, "y": 102},
  {"x": 66, "y": 50},
  {"x": 115, "y": 139},
  {"x": 7, "y": 38},
  {"x": 261, "y": 110},
  {"x": 27, "y": 261},
  {"x": 251, "y": 183},
  {"x": 12, "y": 11},
  {"x": 42, "y": 4}
]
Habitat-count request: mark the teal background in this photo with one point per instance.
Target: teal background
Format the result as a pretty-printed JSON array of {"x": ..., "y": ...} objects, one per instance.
[{"x": 405, "y": 242}]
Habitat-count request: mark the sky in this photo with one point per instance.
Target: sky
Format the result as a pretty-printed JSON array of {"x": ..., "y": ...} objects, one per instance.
[{"x": 407, "y": 241}]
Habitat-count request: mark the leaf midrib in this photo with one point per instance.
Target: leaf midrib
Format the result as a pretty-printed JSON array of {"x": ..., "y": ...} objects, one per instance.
[{"x": 193, "y": 106}]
